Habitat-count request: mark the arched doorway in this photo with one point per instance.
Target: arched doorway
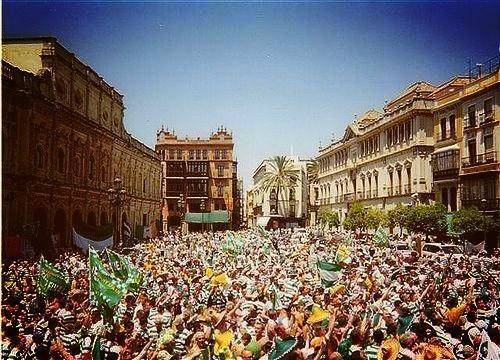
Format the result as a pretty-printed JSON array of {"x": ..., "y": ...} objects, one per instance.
[
  {"x": 41, "y": 238},
  {"x": 91, "y": 219},
  {"x": 60, "y": 227}
]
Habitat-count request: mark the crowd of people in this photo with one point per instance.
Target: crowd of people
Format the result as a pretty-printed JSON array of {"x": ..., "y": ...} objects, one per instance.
[{"x": 264, "y": 299}]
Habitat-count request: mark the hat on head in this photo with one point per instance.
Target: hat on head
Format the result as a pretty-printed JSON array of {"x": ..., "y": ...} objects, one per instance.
[{"x": 282, "y": 347}]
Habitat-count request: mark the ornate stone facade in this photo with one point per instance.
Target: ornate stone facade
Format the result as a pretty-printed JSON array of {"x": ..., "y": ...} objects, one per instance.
[
  {"x": 63, "y": 144},
  {"x": 203, "y": 170},
  {"x": 383, "y": 158}
]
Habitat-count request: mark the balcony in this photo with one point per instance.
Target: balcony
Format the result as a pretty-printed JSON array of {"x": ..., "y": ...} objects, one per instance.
[
  {"x": 488, "y": 205},
  {"x": 487, "y": 118},
  {"x": 193, "y": 194},
  {"x": 480, "y": 159},
  {"x": 203, "y": 174}
]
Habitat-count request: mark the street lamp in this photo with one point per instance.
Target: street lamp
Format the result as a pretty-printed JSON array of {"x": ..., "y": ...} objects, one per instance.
[
  {"x": 483, "y": 207},
  {"x": 181, "y": 204},
  {"x": 117, "y": 195},
  {"x": 202, "y": 208}
]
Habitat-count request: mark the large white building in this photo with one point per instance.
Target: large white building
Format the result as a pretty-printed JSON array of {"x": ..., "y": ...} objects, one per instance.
[
  {"x": 383, "y": 159},
  {"x": 263, "y": 208}
]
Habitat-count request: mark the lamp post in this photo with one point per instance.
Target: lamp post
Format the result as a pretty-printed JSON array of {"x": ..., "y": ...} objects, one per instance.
[
  {"x": 181, "y": 204},
  {"x": 483, "y": 207},
  {"x": 117, "y": 196},
  {"x": 202, "y": 208}
]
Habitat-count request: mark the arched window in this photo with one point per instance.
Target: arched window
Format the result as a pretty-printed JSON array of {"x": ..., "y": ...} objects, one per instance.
[
  {"x": 144, "y": 183},
  {"x": 60, "y": 160},
  {"x": 220, "y": 189},
  {"x": 292, "y": 194},
  {"x": 39, "y": 157}
]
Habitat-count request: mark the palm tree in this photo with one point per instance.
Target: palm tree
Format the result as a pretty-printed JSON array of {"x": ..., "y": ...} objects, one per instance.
[
  {"x": 280, "y": 175},
  {"x": 312, "y": 171}
]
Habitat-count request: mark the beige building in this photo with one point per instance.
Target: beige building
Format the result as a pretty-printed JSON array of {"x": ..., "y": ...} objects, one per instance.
[
  {"x": 383, "y": 159},
  {"x": 265, "y": 209},
  {"x": 64, "y": 143},
  {"x": 465, "y": 163}
]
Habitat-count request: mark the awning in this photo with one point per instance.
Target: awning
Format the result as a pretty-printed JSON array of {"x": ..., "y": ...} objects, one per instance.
[
  {"x": 446, "y": 148},
  {"x": 209, "y": 217}
]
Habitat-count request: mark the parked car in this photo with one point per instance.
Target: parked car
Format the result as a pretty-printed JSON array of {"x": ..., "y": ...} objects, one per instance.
[
  {"x": 441, "y": 250},
  {"x": 402, "y": 248},
  {"x": 299, "y": 233}
]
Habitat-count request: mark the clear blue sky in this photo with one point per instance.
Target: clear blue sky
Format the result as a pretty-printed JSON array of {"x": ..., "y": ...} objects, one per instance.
[{"x": 277, "y": 75}]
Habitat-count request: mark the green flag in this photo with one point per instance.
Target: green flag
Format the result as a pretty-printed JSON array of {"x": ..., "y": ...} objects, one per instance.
[
  {"x": 117, "y": 264},
  {"x": 229, "y": 245},
  {"x": 96, "y": 348},
  {"x": 105, "y": 289},
  {"x": 265, "y": 248},
  {"x": 134, "y": 277},
  {"x": 50, "y": 279},
  {"x": 329, "y": 273},
  {"x": 262, "y": 232},
  {"x": 123, "y": 270},
  {"x": 381, "y": 238}
]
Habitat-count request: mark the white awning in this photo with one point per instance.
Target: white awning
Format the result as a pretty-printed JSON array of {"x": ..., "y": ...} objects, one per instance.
[
  {"x": 263, "y": 220},
  {"x": 446, "y": 148}
]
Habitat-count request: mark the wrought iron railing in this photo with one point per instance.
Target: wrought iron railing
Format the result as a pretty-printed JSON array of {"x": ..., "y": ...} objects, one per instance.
[
  {"x": 480, "y": 159},
  {"x": 484, "y": 68}
]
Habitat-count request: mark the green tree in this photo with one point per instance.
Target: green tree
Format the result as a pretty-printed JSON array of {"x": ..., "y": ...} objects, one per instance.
[
  {"x": 471, "y": 221},
  {"x": 328, "y": 218},
  {"x": 398, "y": 217},
  {"x": 312, "y": 171},
  {"x": 280, "y": 175},
  {"x": 356, "y": 217},
  {"x": 426, "y": 219},
  {"x": 375, "y": 217}
]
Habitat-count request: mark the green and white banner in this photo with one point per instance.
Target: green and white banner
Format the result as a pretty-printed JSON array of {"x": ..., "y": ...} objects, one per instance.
[
  {"x": 329, "y": 273},
  {"x": 105, "y": 289},
  {"x": 50, "y": 279}
]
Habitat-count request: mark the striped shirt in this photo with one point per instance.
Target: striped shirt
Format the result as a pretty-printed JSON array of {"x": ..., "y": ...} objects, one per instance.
[
  {"x": 180, "y": 342},
  {"x": 371, "y": 352},
  {"x": 151, "y": 324},
  {"x": 70, "y": 340},
  {"x": 290, "y": 288}
]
